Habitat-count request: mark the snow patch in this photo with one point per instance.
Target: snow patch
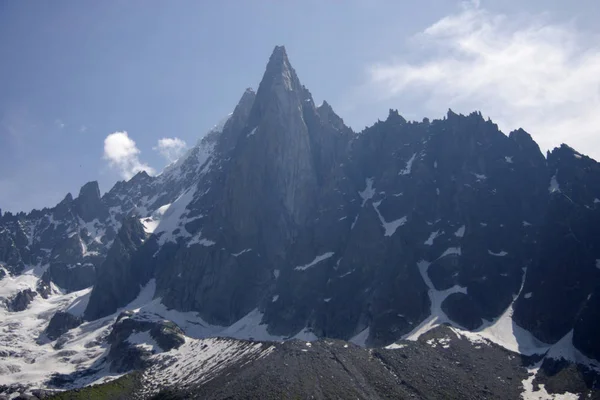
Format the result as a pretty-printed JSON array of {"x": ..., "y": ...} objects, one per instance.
[
  {"x": 314, "y": 262},
  {"x": 275, "y": 298},
  {"x": 241, "y": 252},
  {"x": 252, "y": 132},
  {"x": 436, "y": 316},
  {"x": 528, "y": 295},
  {"x": 432, "y": 237},
  {"x": 346, "y": 274},
  {"x": 173, "y": 218},
  {"x": 151, "y": 223},
  {"x": 506, "y": 333},
  {"x": 144, "y": 340},
  {"x": 369, "y": 191},
  {"x": 78, "y": 306},
  {"x": 306, "y": 335},
  {"x": 354, "y": 222},
  {"x": 554, "y": 187},
  {"x": 442, "y": 342},
  {"x": 395, "y": 346},
  {"x": 451, "y": 251},
  {"x": 566, "y": 350},
  {"x": 460, "y": 232},
  {"x": 508, "y": 159},
  {"x": 198, "y": 239},
  {"x": 480, "y": 177},
  {"x": 361, "y": 338},
  {"x": 389, "y": 227},
  {"x": 408, "y": 168},
  {"x": 500, "y": 254},
  {"x": 250, "y": 327}
]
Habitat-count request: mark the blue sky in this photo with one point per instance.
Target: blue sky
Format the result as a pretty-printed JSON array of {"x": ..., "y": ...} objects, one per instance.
[{"x": 75, "y": 72}]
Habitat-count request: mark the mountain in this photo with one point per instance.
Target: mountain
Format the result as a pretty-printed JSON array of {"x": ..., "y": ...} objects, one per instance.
[{"x": 282, "y": 223}]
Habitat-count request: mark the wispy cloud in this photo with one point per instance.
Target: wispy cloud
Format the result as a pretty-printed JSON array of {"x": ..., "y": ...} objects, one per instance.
[
  {"x": 170, "y": 148},
  {"x": 122, "y": 154},
  {"x": 542, "y": 76},
  {"x": 59, "y": 123}
]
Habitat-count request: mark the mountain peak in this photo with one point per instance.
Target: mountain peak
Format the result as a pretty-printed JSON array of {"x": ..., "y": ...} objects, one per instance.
[
  {"x": 278, "y": 57},
  {"x": 279, "y": 72},
  {"x": 89, "y": 203},
  {"x": 90, "y": 190},
  {"x": 279, "y": 51}
]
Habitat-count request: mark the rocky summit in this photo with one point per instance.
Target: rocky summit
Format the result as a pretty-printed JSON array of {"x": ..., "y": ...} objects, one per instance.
[{"x": 287, "y": 256}]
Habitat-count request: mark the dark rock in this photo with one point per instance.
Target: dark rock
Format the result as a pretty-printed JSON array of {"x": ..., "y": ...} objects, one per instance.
[
  {"x": 118, "y": 279},
  {"x": 461, "y": 309},
  {"x": 587, "y": 326},
  {"x": 563, "y": 277},
  {"x": 21, "y": 300},
  {"x": 125, "y": 356},
  {"x": 560, "y": 376},
  {"x": 72, "y": 276},
  {"x": 44, "y": 288},
  {"x": 89, "y": 205},
  {"x": 60, "y": 323}
]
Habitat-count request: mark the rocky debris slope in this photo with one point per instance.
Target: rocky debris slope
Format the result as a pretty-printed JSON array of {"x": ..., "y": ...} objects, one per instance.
[{"x": 441, "y": 364}]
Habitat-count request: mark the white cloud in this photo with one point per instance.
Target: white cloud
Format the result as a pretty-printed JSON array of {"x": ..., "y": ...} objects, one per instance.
[
  {"x": 170, "y": 148},
  {"x": 544, "y": 77},
  {"x": 59, "y": 123},
  {"x": 122, "y": 154}
]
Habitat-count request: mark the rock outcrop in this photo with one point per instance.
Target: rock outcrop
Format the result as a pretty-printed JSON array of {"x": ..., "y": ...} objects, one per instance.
[
  {"x": 21, "y": 300},
  {"x": 60, "y": 323},
  {"x": 128, "y": 353}
]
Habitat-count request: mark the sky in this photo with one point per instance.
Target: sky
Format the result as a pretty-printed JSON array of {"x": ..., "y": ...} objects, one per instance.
[{"x": 102, "y": 90}]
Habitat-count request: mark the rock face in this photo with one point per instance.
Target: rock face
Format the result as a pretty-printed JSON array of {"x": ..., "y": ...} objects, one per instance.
[
  {"x": 21, "y": 300},
  {"x": 562, "y": 284},
  {"x": 117, "y": 277},
  {"x": 125, "y": 354},
  {"x": 61, "y": 323},
  {"x": 282, "y": 211}
]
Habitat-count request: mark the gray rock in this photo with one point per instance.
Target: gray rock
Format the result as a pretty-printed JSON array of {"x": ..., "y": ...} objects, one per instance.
[
  {"x": 119, "y": 277},
  {"x": 21, "y": 300},
  {"x": 60, "y": 323},
  {"x": 89, "y": 205},
  {"x": 125, "y": 356}
]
